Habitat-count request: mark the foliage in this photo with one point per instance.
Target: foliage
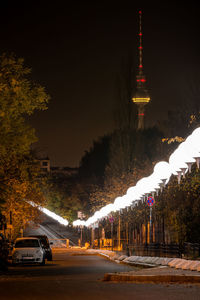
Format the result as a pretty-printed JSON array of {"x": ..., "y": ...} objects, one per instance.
[
  {"x": 177, "y": 207},
  {"x": 182, "y": 203},
  {"x": 16, "y": 209},
  {"x": 131, "y": 154},
  {"x": 93, "y": 163},
  {"x": 62, "y": 196},
  {"x": 19, "y": 98}
]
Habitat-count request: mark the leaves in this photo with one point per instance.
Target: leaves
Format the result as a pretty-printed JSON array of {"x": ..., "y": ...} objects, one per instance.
[{"x": 19, "y": 98}]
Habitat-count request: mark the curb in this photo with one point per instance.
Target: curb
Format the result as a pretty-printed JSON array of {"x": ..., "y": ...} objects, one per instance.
[
  {"x": 152, "y": 278},
  {"x": 151, "y": 261},
  {"x": 139, "y": 265}
]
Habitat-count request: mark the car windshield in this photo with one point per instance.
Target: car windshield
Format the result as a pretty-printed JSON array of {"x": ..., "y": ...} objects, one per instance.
[
  {"x": 43, "y": 240},
  {"x": 27, "y": 243}
]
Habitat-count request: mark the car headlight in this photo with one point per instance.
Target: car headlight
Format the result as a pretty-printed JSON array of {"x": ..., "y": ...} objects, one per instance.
[{"x": 38, "y": 252}]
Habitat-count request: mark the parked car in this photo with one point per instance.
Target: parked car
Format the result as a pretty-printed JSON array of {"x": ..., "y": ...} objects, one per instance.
[
  {"x": 46, "y": 246},
  {"x": 28, "y": 250},
  {"x": 4, "y": 251}
]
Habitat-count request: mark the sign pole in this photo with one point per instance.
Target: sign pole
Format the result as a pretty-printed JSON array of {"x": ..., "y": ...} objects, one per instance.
[
  {"x": 119, "y": 233},
  {"x": 150, "y": 225},
  {"x": 111, "y": 219},
  {"x": 112, "y": 234},
  {"x": 81, "y": 235},
  {"x": 150, "y": 203}
]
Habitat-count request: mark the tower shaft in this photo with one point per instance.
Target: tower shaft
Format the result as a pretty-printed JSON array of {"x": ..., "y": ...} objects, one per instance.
[
  {"x": 141, "y": 117},
  {"x": 141, "y": 97}
]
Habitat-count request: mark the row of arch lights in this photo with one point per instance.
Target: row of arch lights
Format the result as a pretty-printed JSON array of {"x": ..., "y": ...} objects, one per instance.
[
  {"x": 49, "y": 213},
  {"x": 180, "y": 162}
]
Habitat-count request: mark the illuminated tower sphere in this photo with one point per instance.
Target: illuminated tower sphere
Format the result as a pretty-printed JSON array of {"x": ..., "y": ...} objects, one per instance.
[{"x": 141, "y": 97}]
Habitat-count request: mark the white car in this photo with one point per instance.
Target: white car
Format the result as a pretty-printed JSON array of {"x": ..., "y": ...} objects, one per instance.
[{"x": 28, "y": 250}]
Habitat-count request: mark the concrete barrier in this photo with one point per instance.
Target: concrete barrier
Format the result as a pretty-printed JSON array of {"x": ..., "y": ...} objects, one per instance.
[
  {"x": 187, "y": 264},
  {"x": 154, "y": 260},
  {"x": 122, "y": 257},
  {"x": 174, "y": 262},
  {"x": 148, "y": 261},
  {"x": 166, "y": 261},
  {"x": 180, "y": 263},
  {"x": 195, "y": 265}
]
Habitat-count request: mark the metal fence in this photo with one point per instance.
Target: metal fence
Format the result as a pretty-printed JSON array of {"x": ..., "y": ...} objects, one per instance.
[
  {"x": 59, "y": 243},
  {"x": 187, "y": 250}
]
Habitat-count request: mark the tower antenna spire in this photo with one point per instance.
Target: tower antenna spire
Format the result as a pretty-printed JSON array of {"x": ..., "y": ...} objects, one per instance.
[
  {"x": 141, "y": 97},
  {"x": 140, "y": 43}
]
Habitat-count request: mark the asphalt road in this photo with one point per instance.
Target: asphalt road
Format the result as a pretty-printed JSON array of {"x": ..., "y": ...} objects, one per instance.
[
  {"x": 53, "y": 230},
  {"x": 73, "y": 276}
]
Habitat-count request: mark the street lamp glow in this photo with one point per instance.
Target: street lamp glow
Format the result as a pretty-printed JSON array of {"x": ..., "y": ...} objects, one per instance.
[
  {"x": 106, "y": 210},
  {"x": 79, "y": 223},
  {"x": 49, "y": 213},
  {"x": 117, "y": 204},
  {"x": 134, "y": 193},
  {"x": 179, "y": 161},
  {"x": 176, "y": 162},
  {"x": 162, "y": 171}
]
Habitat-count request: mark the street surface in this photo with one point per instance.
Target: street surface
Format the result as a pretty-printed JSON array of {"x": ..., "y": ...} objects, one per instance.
[
  {"x": 75, "y": 275},
  {"x": 54, "y": 231}
]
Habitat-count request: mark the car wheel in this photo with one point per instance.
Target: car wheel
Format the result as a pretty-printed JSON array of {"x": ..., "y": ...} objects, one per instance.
[
  {"x": 43, "y": 262},
  {"x": 50, "y": 258}
]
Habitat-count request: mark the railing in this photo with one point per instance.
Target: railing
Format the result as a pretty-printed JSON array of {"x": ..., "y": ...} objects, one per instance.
[
  {"x": 187, "y": 250},
  {"x": 191, "y": 250},
  {"x": 159, "y": 250},
  {"x": 59, "y": 243}
]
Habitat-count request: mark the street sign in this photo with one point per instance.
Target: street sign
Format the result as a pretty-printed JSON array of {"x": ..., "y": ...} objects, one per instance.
[
  {"x": 80, "y": 215},
  {"x": 150, "y": 201},
  {"x": 111, "y": 219}
]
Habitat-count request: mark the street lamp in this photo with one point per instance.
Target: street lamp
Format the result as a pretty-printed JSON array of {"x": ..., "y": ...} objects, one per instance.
[{"x": 177, "y": 163}]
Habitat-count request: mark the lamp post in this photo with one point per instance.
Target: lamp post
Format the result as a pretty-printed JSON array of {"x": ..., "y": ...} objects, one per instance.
[
  {"x": 112, "y": 234},
  {"x": 81, "y": 237},
  {"x": 111, "y": 219},
  {"x": 150, "y": 203},
  {"x": 92, "y": 236},
  {"x": 119, "y": 232}
]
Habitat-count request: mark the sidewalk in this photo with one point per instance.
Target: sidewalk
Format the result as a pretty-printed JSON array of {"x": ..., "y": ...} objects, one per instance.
[
  {"x": 156, "y": 275},
  {"x": 153, "y": 269}
]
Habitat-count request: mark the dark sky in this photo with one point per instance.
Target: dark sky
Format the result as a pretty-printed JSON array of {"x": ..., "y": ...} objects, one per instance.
[{"x": 76, "y": 50}]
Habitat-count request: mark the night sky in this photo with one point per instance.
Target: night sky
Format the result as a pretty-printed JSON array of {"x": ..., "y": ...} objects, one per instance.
[{"x": 76, "y": 50}]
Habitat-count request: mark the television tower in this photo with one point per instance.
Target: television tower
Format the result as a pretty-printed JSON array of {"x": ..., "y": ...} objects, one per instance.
[{"x": 141, "y": 97}]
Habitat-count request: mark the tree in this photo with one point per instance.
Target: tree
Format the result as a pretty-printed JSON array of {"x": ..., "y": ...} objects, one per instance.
[
  {"x": 94, "y": 161},
  {"x": 17, "y": 209},
  {"x": 63, "y": 195},
  {"x": 19, "y": 98}
]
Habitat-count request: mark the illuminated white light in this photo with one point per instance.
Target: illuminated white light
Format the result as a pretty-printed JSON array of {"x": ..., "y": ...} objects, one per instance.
[
  {"x": 106, "y": 210},
  {"x": 50, "y": 214},
  {"x": 79, "y": 223},
  {"x": 177, "y": 162},
  {"x": 54, "y": 216},
  {"x": 191, "y": 149},
  {"x": 162, "y": 170},
  {"x": 134, "y": 193},
  {"x": 144, "y": 185},
  {"x": 187, "y": 152},
  {"x": 117, "y": 204}
]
